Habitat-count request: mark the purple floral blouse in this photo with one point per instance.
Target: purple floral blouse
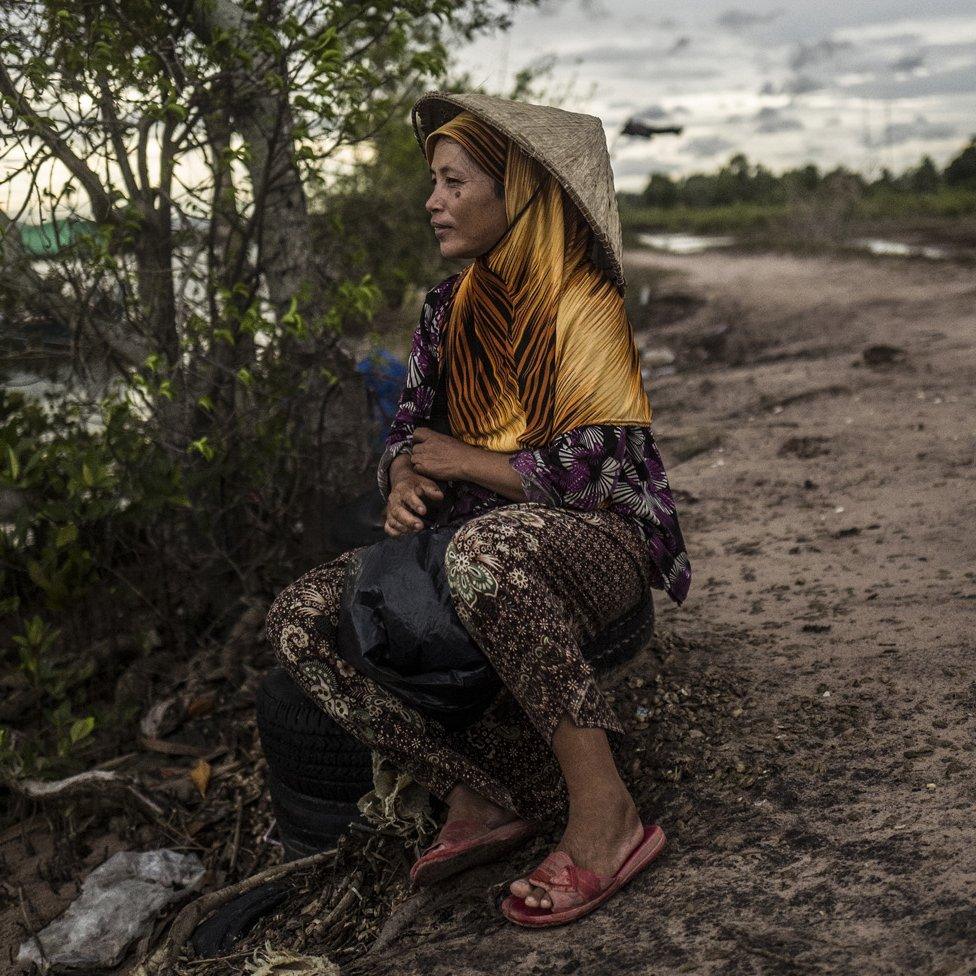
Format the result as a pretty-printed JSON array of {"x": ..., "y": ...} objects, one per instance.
[{"x": 601, "y": 466}]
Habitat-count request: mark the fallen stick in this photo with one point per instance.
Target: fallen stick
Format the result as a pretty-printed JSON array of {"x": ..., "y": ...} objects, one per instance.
[
  {"x": 19, "y": 831},
  {"x": 96, "y": 783},
  {"x": 31, "y": 928},
  {"x": 179, "y": 748},
  {"x": 193, "y": 914},
  {"x": 319, "y": 928},
  {"x": 403, "y": 916}
]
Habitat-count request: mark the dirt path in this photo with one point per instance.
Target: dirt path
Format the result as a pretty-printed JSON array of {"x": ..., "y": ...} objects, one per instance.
[{"x": 805, "y": 730}]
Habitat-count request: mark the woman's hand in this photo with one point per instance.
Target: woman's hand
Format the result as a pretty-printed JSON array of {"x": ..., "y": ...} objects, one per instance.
[
  {"x": 405, "y": 501},
  {"x": 439, "y": 456}
]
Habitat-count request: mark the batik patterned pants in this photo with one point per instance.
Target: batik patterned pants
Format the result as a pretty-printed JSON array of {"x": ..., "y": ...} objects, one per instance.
[{"x": 530, "y": 583}]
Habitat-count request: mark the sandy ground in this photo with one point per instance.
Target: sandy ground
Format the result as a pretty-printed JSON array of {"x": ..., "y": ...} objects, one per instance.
[
  {"x": 803, "y": 726},
  {"x": 806, "y": 732}
]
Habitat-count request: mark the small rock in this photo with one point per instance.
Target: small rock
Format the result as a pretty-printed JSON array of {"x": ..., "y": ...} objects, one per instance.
[
  {"x": 804, "y": 447},
  {"x": 883, "y": 355}
]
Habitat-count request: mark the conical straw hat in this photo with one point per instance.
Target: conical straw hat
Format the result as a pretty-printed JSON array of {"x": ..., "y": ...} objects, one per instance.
[{"x": 572, "y": 146}]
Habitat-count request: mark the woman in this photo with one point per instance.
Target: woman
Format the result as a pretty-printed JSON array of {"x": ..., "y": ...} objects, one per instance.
[{"x": 570, "y": 518}]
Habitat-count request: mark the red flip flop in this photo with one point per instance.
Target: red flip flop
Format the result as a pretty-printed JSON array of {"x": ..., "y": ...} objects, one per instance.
[
  {"x": 575, "y": 891},
  {"x": 462, "y": 844}
]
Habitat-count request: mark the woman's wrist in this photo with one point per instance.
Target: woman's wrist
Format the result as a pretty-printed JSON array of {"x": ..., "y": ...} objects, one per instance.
[
  {"x": 491, "y": 469},
  {"x": 400, "y": 465}
]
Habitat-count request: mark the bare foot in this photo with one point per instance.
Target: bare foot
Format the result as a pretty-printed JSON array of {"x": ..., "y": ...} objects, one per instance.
[
  {"x": 600, "y": 834},
  {"x": 465, "y": 804}
]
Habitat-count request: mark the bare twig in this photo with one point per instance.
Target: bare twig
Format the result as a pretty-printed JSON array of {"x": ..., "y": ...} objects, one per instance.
[
  {"x": 168, "y": 748},
  {"x": 235, "y": 841},
  {"x": 402, "y": 917},
  {"x": 95, "y": 784},
  {"x": 31, "y": 928}
]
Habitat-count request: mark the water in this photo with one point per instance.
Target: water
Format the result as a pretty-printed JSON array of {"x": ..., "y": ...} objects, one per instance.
[
  {"x": 877, "y": 245},
  {"x": 674, "y": 243},
  {"x": 684, "y": 243}
]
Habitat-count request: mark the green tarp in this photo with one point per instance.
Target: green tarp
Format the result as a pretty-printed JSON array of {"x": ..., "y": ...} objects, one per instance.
[{"x": 42, "y": 240}]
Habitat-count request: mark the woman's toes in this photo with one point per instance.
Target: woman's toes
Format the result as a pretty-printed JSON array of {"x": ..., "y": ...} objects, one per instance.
[
  {"x": 520, "y": 887},
  {"x": 533, "y": 896},
  {"x": 538, "y": 898}
]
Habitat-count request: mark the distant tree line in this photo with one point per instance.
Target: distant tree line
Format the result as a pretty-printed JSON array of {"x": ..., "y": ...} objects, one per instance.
[{"x": 740, "y": 181}]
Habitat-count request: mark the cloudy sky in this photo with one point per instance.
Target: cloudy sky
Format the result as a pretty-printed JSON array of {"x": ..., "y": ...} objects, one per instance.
[{"x": 867, "y": 83}]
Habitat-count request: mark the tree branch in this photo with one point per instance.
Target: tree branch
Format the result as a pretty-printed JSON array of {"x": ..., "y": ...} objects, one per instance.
[{"x": 100, "y": 201}]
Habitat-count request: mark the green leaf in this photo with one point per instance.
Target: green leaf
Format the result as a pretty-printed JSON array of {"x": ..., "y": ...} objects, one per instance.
[
  {"x": 66, "y": 534},
  {"x": 81, "y": 729},
  {"x": 202, "y": 446},
  {"x": 36, "y": 573},
  {"x": 14, "y": 463}
]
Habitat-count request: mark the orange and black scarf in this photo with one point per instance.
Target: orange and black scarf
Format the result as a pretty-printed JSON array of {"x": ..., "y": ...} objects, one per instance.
[{"x": 538, "y": 340}]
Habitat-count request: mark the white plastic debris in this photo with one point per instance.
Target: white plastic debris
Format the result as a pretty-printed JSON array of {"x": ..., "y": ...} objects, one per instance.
[{"x": 119, "y": 900}]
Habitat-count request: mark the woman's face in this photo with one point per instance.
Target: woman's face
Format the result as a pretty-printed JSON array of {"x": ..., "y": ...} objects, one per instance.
[{"x": 467, "y": 213}]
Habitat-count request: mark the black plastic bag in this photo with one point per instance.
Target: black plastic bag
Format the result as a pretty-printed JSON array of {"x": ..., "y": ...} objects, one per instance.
[{"x": 398, "y": 626}]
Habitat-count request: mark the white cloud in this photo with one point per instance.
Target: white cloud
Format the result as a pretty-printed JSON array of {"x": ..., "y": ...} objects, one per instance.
[
  {"x": 704, "y": 146},
  {"x": 919, "y": 129},
  {"x": 834, "y": 74},
  {"x": 737, "y": 19},
  {"x": 769, "y": 119}
]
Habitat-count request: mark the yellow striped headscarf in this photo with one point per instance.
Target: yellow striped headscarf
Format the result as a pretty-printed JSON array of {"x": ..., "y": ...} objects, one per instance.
[{"x": 538, "y": 340}]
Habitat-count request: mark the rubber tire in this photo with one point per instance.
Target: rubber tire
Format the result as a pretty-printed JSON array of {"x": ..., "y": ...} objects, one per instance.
[
  {"x": 623, "y": 638},
  {"x": 307, "y": 751},
  {"x": 308, "y": 824},
  {"x": 217, "y": 935}
]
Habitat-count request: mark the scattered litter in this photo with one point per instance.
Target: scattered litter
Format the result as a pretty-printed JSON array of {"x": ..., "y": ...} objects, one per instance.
[{"x": 119, "y": 901}]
